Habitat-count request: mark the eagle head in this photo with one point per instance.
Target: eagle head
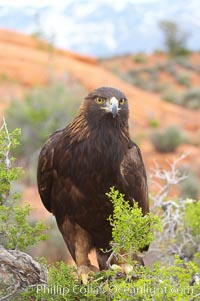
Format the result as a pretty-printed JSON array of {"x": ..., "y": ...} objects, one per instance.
[{"x": 107, "y": 102}]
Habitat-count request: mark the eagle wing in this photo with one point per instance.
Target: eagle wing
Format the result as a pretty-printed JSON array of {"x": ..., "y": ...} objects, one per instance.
[
  {"x": 134, "y": 177},
  {"x": 45, "y": 170}
]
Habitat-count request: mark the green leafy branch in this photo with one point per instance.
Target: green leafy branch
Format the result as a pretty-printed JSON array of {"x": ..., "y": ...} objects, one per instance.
[
  {"x": 15, "y": 229},
  {"x": 131, "y": 230}
]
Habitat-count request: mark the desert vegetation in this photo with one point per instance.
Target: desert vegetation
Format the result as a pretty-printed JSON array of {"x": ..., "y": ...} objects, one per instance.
[
  {"x": 167, "y": 140},
  {"x": 43, "y": 110},
  {"x": 164, "y": 78}
]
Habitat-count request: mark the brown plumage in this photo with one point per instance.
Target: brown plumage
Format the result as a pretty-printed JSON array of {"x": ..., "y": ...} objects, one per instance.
[{"x": 79, "y": 164}]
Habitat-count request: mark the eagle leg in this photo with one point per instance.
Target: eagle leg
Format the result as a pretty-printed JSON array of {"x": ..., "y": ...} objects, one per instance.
[
  {"x": 82, "y": 248},
  {"x": 79, "y": 244},
  {"x": 102, "y": 258},
  {"x": 68, "y": 232}
]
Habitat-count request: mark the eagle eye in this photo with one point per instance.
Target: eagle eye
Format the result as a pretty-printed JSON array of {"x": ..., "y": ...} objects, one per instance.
[
  {"x": 99, "y": 100},
  {"x": 122, "y": 101}
]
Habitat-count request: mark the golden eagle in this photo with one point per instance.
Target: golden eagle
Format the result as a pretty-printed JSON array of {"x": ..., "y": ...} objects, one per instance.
[{"x": 79, "y": 164}]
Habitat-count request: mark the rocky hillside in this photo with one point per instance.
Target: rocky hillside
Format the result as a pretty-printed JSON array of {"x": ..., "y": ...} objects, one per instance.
[{"x": 175, "y": 80}]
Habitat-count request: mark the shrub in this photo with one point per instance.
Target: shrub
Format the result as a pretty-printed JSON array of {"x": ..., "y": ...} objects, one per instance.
[
  {"x": 167, "y": 140},
  {"x": 17, "y": 269},
  {"x": 149, "y": 82},
  {"x": 154, "y": 123},
  {"x": 134, "y": 72},
  {"x": 153, "y": 73},
  {"x": 175, "y": 39},
  {"x": 185, "y": 63},
  {"x": 175, "y": 282},
  {"x": 62, "y": 285},
  {"x": 139, "y": 58},
  {"x": 172, "y": 96},
  {"x": 42, "y": 111},
  {"x": 154, "y": 86},
  {"x": 15, "y": 230},
  {"x": 131, "y": 231},
  {"x": 183, "y": 79},
  {"x": 178, "y": 215},
  {"x": 140, "y": 83},
  {"x": 3, "y": 77},
  {"x": 184, "y": 52},
  {"x": 158, "y": 51},
  {"x": 160, "y": 66},
  {"x": 158, "y": 87},
  {"x": 192, "y": 214},
  {"x": 191, "y": 99},
  {"x": 170, "y": 67},
  {"x": 190, "y": 187}
]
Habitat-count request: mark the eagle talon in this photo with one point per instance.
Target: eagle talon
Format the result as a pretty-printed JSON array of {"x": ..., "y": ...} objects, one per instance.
[{"x": 84, "y": 272}]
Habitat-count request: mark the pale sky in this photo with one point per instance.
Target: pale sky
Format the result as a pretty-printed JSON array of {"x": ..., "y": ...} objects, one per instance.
[
  {"x": 34, "y": 3},
  {"x": 79, "y": 31}
]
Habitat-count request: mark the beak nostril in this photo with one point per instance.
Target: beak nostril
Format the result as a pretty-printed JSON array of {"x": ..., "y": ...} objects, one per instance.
[{"x": 113, "y": 101}]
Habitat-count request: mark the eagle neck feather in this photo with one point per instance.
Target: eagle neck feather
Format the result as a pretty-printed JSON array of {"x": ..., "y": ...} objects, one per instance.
[
  {"x": 82, "y": 128},
  {"x": 78, "y": 129}
]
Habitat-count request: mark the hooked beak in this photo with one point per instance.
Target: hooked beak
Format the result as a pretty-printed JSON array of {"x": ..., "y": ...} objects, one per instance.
[{"x": 114, "y": 106}]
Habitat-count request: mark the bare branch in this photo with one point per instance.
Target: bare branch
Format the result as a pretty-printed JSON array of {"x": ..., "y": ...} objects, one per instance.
[
  {"x": 176, "y": 237},
  {"x": 7, "y": 159}
]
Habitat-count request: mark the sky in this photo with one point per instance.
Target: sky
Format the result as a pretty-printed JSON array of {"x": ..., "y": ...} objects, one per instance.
[
  {"x": 35, "y": 3},
  {"x": 82, "y": 25}
]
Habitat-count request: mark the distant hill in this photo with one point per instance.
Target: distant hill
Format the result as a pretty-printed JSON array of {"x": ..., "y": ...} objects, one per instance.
[{"x": 174, "y": 79}]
